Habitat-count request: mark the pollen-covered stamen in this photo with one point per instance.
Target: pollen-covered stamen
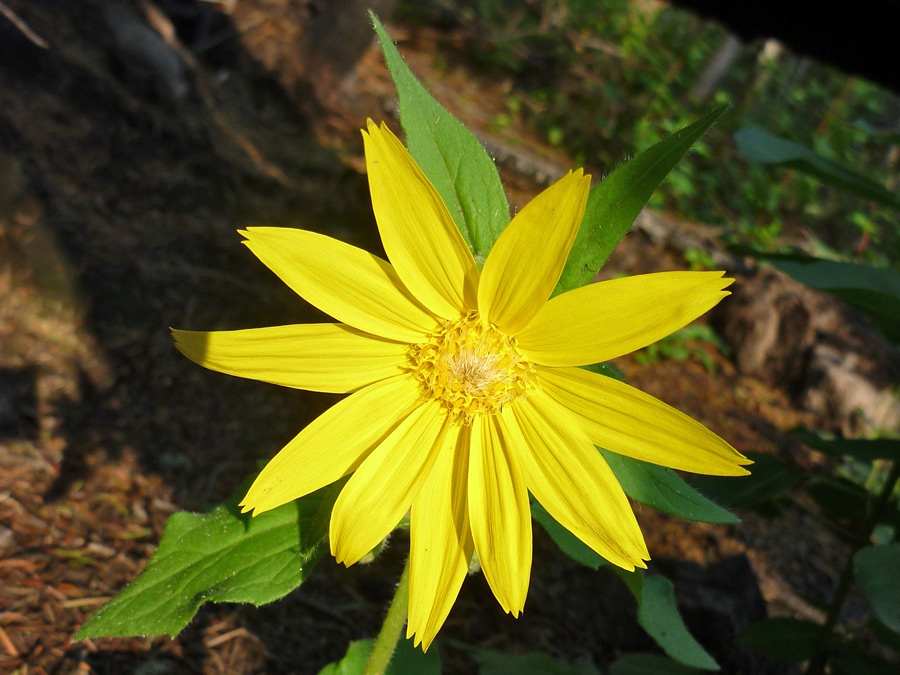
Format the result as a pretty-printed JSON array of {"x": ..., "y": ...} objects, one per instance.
[{"x": 470, "y": 367}]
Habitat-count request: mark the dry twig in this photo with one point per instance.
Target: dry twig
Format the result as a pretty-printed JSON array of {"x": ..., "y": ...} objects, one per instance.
[{"x": 22, "y": 26}]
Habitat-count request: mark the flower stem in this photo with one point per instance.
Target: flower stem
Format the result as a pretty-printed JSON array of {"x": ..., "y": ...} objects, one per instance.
[{"x": 391, "y": 629}]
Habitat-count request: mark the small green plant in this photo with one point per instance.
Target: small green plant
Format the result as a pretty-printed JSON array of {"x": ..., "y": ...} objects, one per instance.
[
  {"x": 699, "y": 259},
  {"x": 691, "y": 342},
  {"x": 604, "y": 80}
]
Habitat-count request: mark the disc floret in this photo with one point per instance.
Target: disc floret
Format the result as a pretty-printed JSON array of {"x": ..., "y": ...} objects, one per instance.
[{"x": 470, "y": 367}]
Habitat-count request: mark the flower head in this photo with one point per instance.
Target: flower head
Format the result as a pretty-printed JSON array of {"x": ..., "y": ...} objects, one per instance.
[{"x": 464, "y": 390}]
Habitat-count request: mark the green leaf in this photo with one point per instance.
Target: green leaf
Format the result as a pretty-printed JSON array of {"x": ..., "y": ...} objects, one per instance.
[
  {"x": 664, "y": 489},
  {"x": 783, "y": 639},
  {"x": 657, "y": 612},
  {"x": 411, "y": 660},
  {"x": 354, "y": 660},
  {"x": 220, "y": 556},
  {"x": 648, "y": 664},
  {"x": 616, "y": 201},
  {"x": 607, "y": 370},
  {"x": 768, "y": 479},
  {"x": 867, "y": 450},
  {"x": 453, "y": 159},
  {"x": 658, "y": 615},
  {"x": 501, "y": 663},
  {"x": 872, "y": 290},
  {"x": 407, "y": 660},
  {"x": 760, "y": 146},
  {"x": 877, "y": 570},
  {"x": 567, "y": 542}
]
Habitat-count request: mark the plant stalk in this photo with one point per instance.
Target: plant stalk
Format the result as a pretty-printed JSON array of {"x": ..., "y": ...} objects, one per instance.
[
  {"x": 391, "y": 629},
  {"x": 823, "y": 646}
]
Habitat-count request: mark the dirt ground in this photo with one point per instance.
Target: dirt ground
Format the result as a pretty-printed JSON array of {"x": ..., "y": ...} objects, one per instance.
[{"x": 119, "y": 203}]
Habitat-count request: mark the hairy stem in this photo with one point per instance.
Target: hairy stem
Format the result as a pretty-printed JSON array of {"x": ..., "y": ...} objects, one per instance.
[{"x": 391, "y": 629}]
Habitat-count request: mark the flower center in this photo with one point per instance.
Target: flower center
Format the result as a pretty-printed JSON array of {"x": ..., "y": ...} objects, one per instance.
[{"x": 470, "y": 367}]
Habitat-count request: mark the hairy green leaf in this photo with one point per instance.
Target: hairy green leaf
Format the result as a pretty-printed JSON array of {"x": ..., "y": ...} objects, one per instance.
[
  {"x": 664, "y": 489},
  {"x": 616, "y": 201},
  {"x": 220, "y": 556},
  {"x": 450, "y": 155}
]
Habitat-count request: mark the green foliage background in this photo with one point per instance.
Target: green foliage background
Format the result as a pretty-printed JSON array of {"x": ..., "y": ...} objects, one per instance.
[{"x": 603, "y": 80}]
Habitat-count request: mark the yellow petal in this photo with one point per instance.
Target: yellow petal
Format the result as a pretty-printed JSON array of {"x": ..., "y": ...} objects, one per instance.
[
  {"x": 350, "y": 284},
  {"x": 570, "y": 478},
  {"x": 381, "y": 490},
  {"x": 608, "y": 319},
  {"x": 333, "y": 444},
  {"x": 418, "y": 233},
  {"x": 440, "y": 540},
  {"x": 625, "y": 420},
  {"x": 528, "y": 257},
  {"x": 499, "y": 513},
  {"x": 330, "y": 357}
]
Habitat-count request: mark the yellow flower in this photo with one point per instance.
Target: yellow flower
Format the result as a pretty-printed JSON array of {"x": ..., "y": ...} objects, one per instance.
[{"x": 464, "y": 390}]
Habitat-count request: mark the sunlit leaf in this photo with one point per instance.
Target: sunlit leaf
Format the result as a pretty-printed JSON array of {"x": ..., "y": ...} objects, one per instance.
[
  {"x": 220, "y": 556},
  {"x": 877, "y": 570},
  {"x": 664, "y": 489},
  {"x": 760, "y": 146},
  {"x": 783, "y": 639},
  {"x": 616, "y": 201},
  {"x": 453, "y": 159}
]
